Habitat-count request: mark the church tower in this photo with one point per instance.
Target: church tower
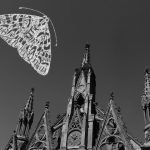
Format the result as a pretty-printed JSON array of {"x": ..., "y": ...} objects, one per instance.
[
  {"x": 20, "y": 138},
  {"x": 146, "y": 108},
  {"x": 84, "y": 126},
  {"x": 26, "y": 118},
  {"x": 77, "y": 129}
]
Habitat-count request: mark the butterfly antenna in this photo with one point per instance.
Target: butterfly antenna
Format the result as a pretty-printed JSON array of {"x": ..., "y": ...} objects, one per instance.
[
  {"x": 43, "y": 15},
  {"x": 32, "y": 10},
  {"x": 54, "y": 31}
]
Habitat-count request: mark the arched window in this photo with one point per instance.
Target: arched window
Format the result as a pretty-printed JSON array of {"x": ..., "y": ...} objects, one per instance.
[
  {"x": 112, "y": 143},
  {"x": 80, "y": 100}
]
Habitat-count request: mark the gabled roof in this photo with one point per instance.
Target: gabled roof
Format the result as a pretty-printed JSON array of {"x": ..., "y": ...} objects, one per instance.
[
  {"x": 113, "y": 129},
  {"x": 41, "y": 138}
]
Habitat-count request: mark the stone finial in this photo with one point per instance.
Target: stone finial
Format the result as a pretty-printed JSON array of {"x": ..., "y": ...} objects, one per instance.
[
  {"x": 112, "y": 95},
  {"x": 86, "y": 57},
  {"x": 47, "y": 105},
  {"x": 147, "y": 83},
  {"x": 29, "y": 105},
  {"x": 146, "y": 71},
  {"x": 32, "y": 91},
  {"x": 87, "y": 46}
]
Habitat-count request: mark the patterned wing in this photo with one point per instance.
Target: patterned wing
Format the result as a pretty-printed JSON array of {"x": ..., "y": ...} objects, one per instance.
[
  {"x": 30, "y": 35},
  {"x": 40, "y": 53}
]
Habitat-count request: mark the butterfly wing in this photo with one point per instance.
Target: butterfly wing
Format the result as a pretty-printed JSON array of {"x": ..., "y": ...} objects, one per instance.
[
  {"x": 41, "y": 58},
  {"x": 31, "y": 36}
]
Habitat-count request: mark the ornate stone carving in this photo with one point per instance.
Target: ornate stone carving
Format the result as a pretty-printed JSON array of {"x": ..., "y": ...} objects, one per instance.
[
  {"x": 74, "y": 139},
  {"x": 75, "y": 121}
]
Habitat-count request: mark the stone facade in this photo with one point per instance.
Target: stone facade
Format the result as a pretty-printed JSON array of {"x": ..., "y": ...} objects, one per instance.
[{"x": 84, "y": 126}]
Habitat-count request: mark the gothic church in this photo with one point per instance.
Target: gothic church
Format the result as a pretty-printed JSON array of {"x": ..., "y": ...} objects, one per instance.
[{"x": 84, "y": 126}]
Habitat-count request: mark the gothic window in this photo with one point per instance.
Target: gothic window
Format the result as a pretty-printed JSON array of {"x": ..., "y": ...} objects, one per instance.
[
  {"x": 81, "y": 85},
  {"x": 81, "y": 88},
  {"x": 112, "y": 143},
  {"x": 75, "y": 121},
  {"x": 39, "y": 140},
  {"x": 80, "y": 100},
  {"x": 111, "y": 126},
  {"x": 74, "y": 139},
  {"x": 111, "y": 140}
]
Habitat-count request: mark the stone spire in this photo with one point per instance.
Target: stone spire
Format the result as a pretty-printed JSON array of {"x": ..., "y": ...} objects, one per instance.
[
  {"x": 20, "y": 137},
  {"x": 26, "y": 117},
  {"x": 146, "y": 107},
  {"x": 146, "y": 97},
  {"x": 42, "y": 133},
  {"x": 147, "y": 84},
  {"x": 111, "y": 96},
  {"x": 29, "y": 105},
  {"x": 47, "y": 105},
  {"x": 81, "y": 110},
  {"x": 86, "y": 57}
]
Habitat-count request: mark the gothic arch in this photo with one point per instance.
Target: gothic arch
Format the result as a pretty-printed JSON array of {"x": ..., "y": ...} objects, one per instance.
[{"x": 112, "y": 142}]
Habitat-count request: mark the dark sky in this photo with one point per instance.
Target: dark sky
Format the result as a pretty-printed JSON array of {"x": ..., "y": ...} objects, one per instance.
[{"x": 119, "y": 34}]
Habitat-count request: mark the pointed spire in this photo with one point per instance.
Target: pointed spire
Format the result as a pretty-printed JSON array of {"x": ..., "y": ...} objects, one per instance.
[
  {"x": 29, "y": 105},
  {"x": 147, "y": 84},
  {"x": 111, "y": 98},
  {"x": 42, "y": 132},
  {"x": 48, "y": 126},
  {"x": 26, "y": 117},
  {"x": 146, "y": 71},
  {"x": 86, "y": 57},
  {"x": 146, "y": 92},
  {"x": 47, "y": 105}
]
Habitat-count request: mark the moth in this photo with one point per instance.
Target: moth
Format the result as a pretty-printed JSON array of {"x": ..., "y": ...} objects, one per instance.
[{"x": 31, "y": 36}]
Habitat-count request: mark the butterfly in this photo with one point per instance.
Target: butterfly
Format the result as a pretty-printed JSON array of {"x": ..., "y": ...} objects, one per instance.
[{"x": 31, "y": 36}]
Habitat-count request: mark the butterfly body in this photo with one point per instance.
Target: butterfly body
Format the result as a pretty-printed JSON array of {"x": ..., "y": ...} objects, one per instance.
[{"x": 31, "y": 36}]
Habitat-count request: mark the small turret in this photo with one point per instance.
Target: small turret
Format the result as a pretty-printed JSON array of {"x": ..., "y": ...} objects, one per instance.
[
  {"x": 26, "y": 117},
  {"x": 111, "y": 96},
  {"x": 146, "y": 107},
  {"x": 86, "y": 58},
  {"x": 20, "y": 137}
]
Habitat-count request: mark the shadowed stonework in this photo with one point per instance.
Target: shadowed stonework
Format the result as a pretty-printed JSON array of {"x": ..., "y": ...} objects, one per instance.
[{"x": 84, "y": 125}]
